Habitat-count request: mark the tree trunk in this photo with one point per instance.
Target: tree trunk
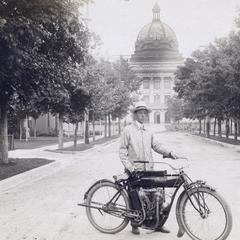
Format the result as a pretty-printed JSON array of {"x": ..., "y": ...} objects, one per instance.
[
  {"x": 60, "y": 132},
  {"x": 235, "y": 130},
  {"x": 48, "y": 123},
  {"x": 100, "y": 126},
  {"x": 113, "y": 128},
  {"x": 20, "y": 130},
  {"x": 109, "y": 125},
  {"x": 105, "y": 126},
  {"x": 82, "y": 129},
  {"x": 35, "y": 128},
  {"x": 200, "y": 126},
  {"x": 208, "y": 126},
  {"x": 227, "y": 128},
  {"x": 86, "y": 132},
  {"x": 239, "y": 128},
  {"x": 3, "y": 136},
  {"x": 68, "y": 134},
  {"x": 93, "y": 125},
  {"x": 27, "y": 130},
  {"x": 119, "y": 126},
  {"x": 204, "y": 126},
  {"x": 219, "y": 127},
  {"x": 75, "y": 134},
  {"x": 231, "y": 127},
  {"x": 56, "y": 125},
  {"x": 26, "y": 126},
  {"x": 214, "y": 126}
]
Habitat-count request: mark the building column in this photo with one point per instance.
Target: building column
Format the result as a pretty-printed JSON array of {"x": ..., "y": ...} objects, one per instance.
[
  {"x": 151, "y": 117},
  {"x": 151, "y": 95},
  {"x": 162, "y": 116},
  {"x": 162, "y": 92}
]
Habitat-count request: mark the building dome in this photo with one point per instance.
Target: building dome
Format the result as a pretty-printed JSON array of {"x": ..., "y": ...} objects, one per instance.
[
  {"x": 157, "y": 31},
  {"x": 156, "y": 40}
]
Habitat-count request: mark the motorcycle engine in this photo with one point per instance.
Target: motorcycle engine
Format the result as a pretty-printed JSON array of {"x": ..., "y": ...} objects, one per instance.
[{"x": 148, "y": 198}]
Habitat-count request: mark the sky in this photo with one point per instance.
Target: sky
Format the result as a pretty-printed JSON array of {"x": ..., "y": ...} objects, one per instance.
[{"x": 195, "y": 22}]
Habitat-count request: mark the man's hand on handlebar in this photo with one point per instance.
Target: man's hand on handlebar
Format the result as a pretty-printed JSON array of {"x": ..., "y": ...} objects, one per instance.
[
  {"x": 173, "y": 156},
  {"x": 170, "y": 155}
]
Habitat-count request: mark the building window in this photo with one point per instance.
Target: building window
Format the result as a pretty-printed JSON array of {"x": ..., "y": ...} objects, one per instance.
[
  {"x": 157, "y": 118},
  {"x": 146, "y": 99},
  {"x": 157, "y": 99},
  {"x": 166, "y": 99},
  {"x": 146, "y": 83},
  {"x": 157, "y": 82},
  {"x": 167, "y": 83}
]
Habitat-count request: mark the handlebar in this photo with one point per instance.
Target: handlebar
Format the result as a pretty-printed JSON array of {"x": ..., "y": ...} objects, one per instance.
[{"x": 173, "y": 168}]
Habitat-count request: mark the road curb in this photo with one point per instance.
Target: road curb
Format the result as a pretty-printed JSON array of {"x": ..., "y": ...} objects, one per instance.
[
  {"x": 228, "y": 145},
  {"x": 82, "y": 151},
  {"x": 34, "y": 174},
  {"x": 38, "y": 173}
]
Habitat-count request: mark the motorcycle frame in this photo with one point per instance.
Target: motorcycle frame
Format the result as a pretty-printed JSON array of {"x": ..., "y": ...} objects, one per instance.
[{"x": 124, "y": 185}]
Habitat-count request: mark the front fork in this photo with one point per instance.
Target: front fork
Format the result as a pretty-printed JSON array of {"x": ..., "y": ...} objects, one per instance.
[{"x": 200, "y": 207}]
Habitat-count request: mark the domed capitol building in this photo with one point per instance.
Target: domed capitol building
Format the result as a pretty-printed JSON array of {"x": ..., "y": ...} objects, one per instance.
[{"x": 155, "y": 60}]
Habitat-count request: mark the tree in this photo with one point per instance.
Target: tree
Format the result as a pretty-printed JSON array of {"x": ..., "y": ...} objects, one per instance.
[
  {"x": 65, "y": 49},
  {"x": 203, "y": 86},
  {"x": 126, "y": 89},
  {"x": 19, "y": 61},
  {"x": 231, "y": 50},
  {"x": 175, "y": 108},
  {"x": 79, "y": 99},
  {"x": 39, "y": 40}
]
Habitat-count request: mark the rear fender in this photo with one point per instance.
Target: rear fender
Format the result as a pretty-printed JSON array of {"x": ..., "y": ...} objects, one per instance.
[{"x": 98, "y": 182}]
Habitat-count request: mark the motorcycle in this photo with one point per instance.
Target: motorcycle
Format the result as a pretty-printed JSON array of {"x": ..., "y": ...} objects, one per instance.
[{"x": 142, "y": 199}]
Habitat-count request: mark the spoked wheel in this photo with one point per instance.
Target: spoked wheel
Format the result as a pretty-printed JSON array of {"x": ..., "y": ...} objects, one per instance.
[
  {"x": 113, "y": 203},
  {"x": 207, "y": 216}
]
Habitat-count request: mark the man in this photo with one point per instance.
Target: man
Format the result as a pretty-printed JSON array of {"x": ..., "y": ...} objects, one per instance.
[{"x": 137, "y": 144}]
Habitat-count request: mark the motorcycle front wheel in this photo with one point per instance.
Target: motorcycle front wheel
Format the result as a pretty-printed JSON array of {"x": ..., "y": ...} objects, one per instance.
[
  {"x": 111, "y": 203},
  {"x": 205, "y": 215}
]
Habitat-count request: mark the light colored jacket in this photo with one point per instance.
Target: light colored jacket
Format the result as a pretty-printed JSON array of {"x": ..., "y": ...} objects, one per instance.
[{"x": 136, "y": 144}]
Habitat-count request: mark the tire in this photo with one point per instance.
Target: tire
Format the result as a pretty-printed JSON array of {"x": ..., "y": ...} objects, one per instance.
[
  {"x": 214, "y": 224},
  {"x": 101, "y": 193}
]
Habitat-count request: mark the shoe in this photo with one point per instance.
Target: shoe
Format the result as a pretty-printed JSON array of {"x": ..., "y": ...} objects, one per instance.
[
  {"x": 135, "y": 230},
  {"x": 162, "y": 229}
]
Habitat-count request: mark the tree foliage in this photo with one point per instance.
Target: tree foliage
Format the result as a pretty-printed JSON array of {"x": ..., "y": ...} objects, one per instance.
[
  {"x": 42, "y": 43},
  {"x": 209, "y": 81}
]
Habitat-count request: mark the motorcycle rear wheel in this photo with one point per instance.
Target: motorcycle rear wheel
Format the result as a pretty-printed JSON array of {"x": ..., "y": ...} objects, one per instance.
[
  {"x": 99, "y": 196},
  {"x": 215, "y": 222}
]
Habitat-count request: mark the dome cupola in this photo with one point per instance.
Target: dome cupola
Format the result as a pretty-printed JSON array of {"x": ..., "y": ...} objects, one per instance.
[
  {"x": 156, "y": 12},
  {"x": 156, "y": 40}
]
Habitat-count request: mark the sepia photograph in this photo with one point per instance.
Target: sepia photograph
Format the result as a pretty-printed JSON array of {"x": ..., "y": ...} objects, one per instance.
[{"x": 119, "y": 119}]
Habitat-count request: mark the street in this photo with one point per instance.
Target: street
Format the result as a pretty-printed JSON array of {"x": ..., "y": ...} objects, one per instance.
[{"x": 45, "y": 208}]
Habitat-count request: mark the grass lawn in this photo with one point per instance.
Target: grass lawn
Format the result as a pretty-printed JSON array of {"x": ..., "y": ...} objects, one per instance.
[
  {"x": 82, "y": 146},
  {"x": 17, "y": 166},
  {"x": 37, "y": 142},
  {"x": 20, "y": 165},
  {"x": 222, "y": 139}
]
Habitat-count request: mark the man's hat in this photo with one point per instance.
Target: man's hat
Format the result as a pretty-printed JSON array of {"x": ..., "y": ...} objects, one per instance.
[{"x": 140, "y": 106}]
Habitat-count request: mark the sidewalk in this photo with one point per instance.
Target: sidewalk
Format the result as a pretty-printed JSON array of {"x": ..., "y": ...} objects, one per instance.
[{"x": 46, "y": 152}]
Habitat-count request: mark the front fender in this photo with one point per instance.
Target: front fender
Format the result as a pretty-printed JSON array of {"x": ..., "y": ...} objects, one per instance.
[
  {"x": 181, "y": 229},
  {"x": 99, "y": 181},
  {"x": 193, "y": 185},
  {"x": 200, "y": 183}
]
